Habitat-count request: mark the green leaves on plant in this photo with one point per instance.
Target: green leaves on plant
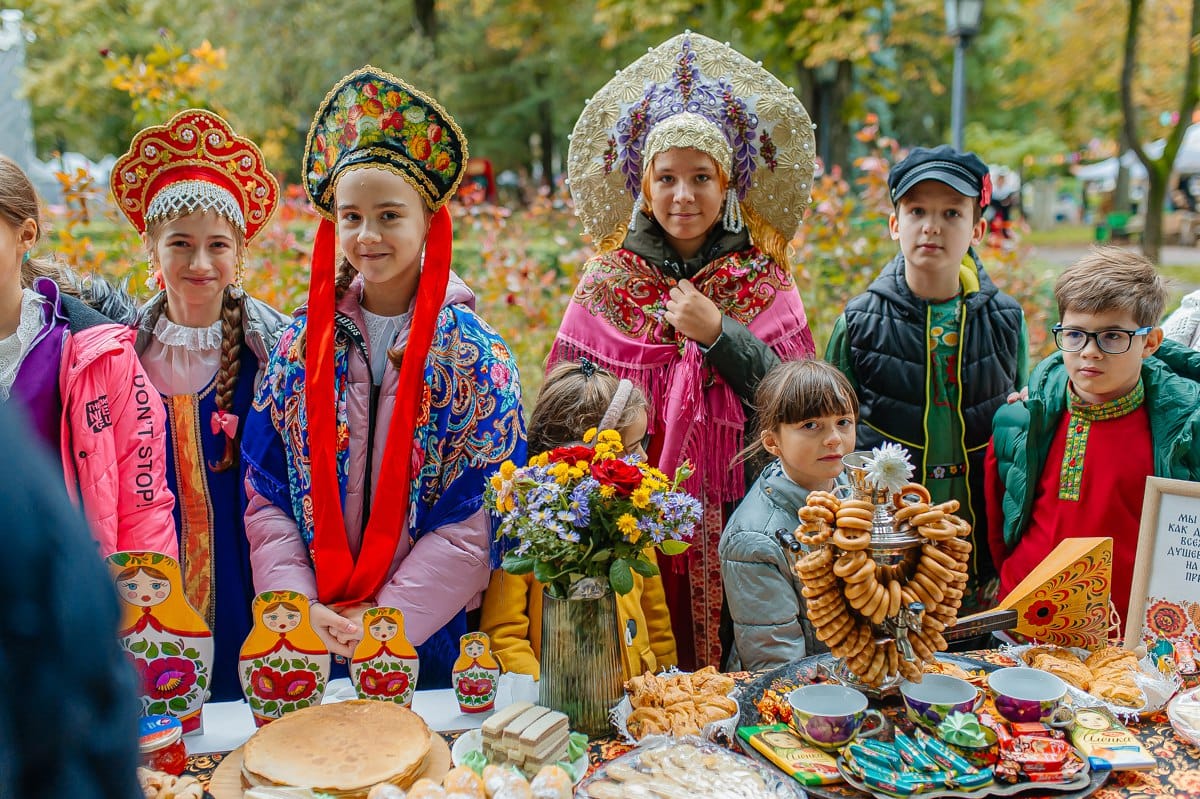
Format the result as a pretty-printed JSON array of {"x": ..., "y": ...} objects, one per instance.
[
  {"x": 517, "y": 564},
  {"x": 620, "y": 576}
]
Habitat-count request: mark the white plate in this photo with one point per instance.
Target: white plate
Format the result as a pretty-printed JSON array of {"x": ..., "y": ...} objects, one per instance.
[{"x": 472, "y": 741}]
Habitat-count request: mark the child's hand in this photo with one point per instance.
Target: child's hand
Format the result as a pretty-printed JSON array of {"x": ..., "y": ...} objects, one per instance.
[
  {"x": 1018, "y": 396},
  {"x": 339, "y": 634},
  {"x": 693, "y": 314}
]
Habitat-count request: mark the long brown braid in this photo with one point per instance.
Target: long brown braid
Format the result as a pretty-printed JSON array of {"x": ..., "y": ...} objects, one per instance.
[{"x": 232, "y": 337}]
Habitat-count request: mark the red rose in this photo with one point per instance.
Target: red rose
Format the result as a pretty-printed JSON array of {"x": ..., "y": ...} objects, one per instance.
[
  {"x": 393, "y": 121},
  {"x": 370, "y": 90},
  {"x": 355, "y": 113},
  {"x": 435, "y": 133},
  {"x": 622, "y": 476},
  {"x": 570, "y": 454}
]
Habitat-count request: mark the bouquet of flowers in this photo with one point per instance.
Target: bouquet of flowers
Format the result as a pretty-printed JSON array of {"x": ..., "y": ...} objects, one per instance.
[{"x": 582, "y": 512}]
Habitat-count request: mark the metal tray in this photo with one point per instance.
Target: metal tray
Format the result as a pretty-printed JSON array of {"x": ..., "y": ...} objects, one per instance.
[{"x": 819, "y": 668}]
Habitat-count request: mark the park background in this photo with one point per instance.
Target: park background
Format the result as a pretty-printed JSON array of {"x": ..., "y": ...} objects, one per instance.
[{"x": 1050, "y": 84}]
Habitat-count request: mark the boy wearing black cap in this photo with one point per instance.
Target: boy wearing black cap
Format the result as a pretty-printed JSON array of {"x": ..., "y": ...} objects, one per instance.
[{"x": 932, "y": 347}]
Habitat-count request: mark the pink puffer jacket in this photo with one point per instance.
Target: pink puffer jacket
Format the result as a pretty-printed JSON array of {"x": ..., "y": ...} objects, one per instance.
[{"x": 113, "y": 442}]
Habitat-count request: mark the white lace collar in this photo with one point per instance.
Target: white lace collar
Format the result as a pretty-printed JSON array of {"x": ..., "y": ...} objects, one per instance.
[{"x": 195, "y": 339}]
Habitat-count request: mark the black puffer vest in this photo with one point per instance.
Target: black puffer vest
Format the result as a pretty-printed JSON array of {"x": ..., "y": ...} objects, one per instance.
[{"x": 886, "y": 328}]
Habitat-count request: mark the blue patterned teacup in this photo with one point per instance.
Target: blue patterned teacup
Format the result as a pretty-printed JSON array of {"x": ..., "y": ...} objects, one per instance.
[
  {"x": 1024, "y": 694},
  {"x": 930, "y": 701},
  {"x": 830, "y": 716}
]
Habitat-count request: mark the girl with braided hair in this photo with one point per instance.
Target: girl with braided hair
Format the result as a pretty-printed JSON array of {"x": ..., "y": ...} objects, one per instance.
[{"x": 199, "y": 193}]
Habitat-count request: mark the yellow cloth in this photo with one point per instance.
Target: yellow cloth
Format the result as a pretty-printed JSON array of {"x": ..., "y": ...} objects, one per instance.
[{"x": 512, "y": 618}]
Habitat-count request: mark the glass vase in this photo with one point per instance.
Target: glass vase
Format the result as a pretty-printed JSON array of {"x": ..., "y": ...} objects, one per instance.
[{"x": 581, "y": 656}]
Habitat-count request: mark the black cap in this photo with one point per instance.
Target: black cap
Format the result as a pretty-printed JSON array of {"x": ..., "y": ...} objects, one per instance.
[{"x": 963, "y": 172}]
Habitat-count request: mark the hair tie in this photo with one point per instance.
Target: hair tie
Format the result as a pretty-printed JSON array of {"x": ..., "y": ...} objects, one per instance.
[
  {"x": 617, "y": 407},
  {"x": 587, "y": 367}
]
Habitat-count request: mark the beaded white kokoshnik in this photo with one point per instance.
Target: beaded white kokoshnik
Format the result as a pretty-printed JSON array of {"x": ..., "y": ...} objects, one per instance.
[
  {"x": 692, "y": 91},
  {"x": 188, "y": 196}
]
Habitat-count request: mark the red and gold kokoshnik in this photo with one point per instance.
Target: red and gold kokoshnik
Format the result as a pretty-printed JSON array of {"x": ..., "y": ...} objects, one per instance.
[{"x": 200, "y": 148}]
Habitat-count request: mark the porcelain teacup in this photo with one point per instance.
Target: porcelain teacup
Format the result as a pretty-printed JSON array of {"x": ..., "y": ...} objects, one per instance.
[
  {"x": 930, "y": 701},
  {"x": 831, "y": 716},
  {"x": 1024, "y": 694}
]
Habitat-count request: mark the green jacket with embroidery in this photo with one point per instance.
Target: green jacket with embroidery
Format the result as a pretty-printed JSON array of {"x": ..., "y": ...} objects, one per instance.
[{"x": 1022, "y": 432}]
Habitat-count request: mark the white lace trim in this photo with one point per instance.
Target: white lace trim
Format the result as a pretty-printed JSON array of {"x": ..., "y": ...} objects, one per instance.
[
  {"x": 190, "y": 338},
  {"x": 187, "y": 196},
  {"x": 14, "y": 348},
  {"x": 384, "y": 333}
]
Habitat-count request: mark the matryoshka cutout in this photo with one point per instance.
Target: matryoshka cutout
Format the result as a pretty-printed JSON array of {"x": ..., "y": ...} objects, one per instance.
[
  {"x": 170, "y": 645},
  {"x": 385, "y": 664},
  {"x": 284, "y": 664},
  {"x": 476, "y": 674}
]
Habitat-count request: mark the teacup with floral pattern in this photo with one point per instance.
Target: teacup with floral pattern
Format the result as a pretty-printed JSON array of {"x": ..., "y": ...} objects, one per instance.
[
  {"x": 831, "y": 716},
  {"x": 930, "y": 701},
  {"x": 1025, "y": 694}
]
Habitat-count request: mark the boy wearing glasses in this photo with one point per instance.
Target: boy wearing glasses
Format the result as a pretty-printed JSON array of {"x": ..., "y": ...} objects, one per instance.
[
  {"x": 1101, "y": 416},
  {"x": 933, "y": 346}
]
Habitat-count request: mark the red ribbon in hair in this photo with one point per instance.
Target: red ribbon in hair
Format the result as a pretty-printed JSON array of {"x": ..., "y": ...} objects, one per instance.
[{"x": 343, "y": 579}]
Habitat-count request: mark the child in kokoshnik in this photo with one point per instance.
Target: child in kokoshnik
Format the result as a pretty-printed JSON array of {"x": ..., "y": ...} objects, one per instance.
[
  {"x": 692, "y": 296},
  {"x": 933, "y": 347},
  {"x": 1115, "y": 405},
  {"x": 577, "y": 397},
  {"x": 379, "y": 421},
  {"x": 204, "y": 345},
  {"x": 806, "y": 413},
  {"x": 77, "y": 379}
]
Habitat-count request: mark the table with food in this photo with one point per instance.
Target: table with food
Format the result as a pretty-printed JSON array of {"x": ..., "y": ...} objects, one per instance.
[{"x": 887, "y": 711}]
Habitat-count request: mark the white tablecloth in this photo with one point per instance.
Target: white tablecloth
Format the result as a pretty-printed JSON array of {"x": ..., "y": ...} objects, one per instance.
[{"x": 227, "y": 725}]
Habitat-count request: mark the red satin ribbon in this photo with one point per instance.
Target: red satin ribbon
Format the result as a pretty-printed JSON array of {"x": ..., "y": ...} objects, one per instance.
[{"x": 343, "y": 579}]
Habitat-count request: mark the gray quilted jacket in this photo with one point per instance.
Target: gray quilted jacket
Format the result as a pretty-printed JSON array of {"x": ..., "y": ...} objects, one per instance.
[{"x": 762, "y": 592}]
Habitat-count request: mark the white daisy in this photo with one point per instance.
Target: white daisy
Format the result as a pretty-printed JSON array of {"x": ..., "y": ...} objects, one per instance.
[{"x": 889, "y": 467}]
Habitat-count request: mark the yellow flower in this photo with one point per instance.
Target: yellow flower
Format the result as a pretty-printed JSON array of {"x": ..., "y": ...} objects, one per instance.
[
  {"x": 508, "y": 469},
  {"x": 612, "y": 438},
  {"x": 589, "y": 435},
  {"x": 507, "y": 505},
  {"x": 628, "y": 527},
  {"x": 541, "y": 460},
  {"x": 497, "y": 482},
  {"x": 608, "y": 492},
  {"x": 641, "y": 497},
  {"x": 575, "y": 472},
  {"x": 650, "y": 484}
]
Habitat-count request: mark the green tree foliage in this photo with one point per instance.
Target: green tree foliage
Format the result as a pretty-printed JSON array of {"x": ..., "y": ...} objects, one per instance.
[{"x": 68, "y": 81}]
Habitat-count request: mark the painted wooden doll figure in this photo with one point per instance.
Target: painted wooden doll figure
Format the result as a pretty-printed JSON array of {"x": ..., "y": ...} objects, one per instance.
[
  {"x": 385, "y": 664},
  {"x": 476, "y": 674},
  {"x": 284, "y": 665},
  {"x": 168, "y": 641}
]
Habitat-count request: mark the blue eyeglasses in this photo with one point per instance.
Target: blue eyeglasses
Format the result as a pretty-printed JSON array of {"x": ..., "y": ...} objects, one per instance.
[{"x": 1114, "y": 341}]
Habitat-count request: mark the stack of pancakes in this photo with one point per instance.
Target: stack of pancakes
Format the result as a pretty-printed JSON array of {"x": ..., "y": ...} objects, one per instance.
[{"x": 340, "y": 749}]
